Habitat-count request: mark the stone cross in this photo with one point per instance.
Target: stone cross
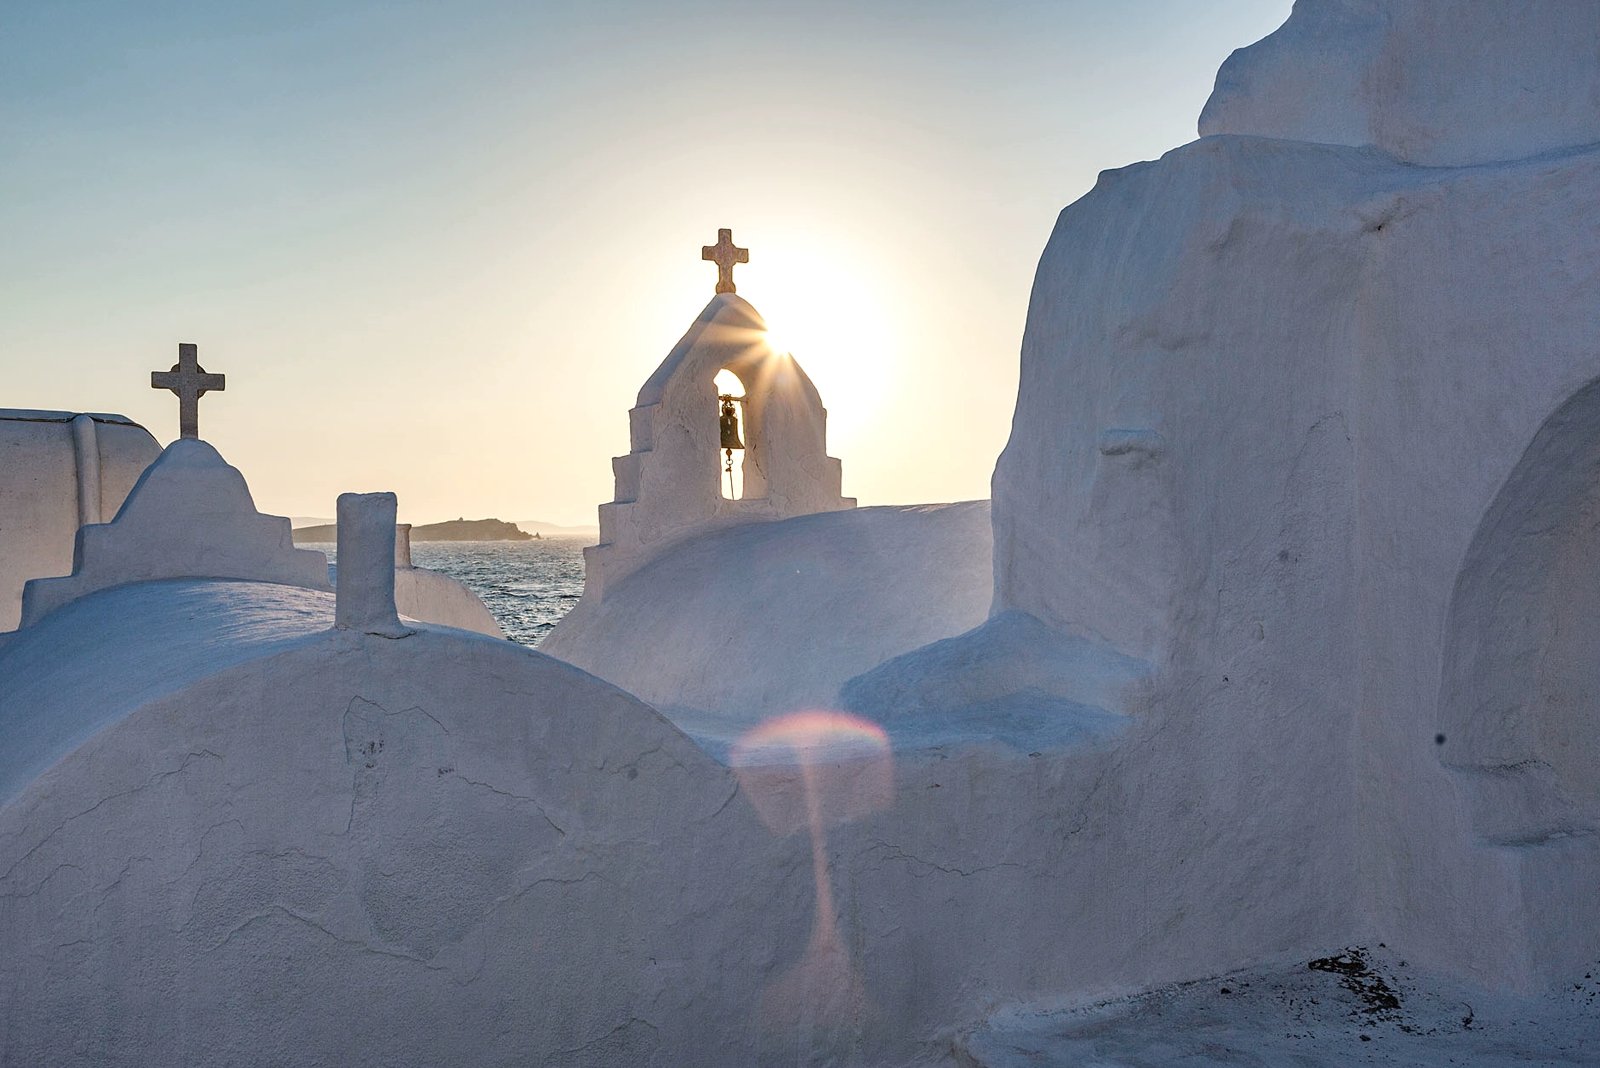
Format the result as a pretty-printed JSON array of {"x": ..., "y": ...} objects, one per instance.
[
  {"x": 725, "y": 254},
  {"x": 190, "y": 382}
]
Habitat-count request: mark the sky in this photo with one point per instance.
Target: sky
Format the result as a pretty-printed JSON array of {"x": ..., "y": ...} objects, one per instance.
[{"x": 437, "y": 247}]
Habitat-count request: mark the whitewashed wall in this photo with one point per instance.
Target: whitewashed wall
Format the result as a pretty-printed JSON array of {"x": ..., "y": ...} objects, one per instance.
[
  {"x": 56, "y": 473},
  {"x": 668, "y": 486}
]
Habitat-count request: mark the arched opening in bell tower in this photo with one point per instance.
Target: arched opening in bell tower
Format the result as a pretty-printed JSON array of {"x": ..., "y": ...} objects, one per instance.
[{"x": 733, "y": 430}]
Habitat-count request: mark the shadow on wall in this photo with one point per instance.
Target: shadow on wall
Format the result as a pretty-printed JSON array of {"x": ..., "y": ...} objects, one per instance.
[{"x": 1521, "y": 684}]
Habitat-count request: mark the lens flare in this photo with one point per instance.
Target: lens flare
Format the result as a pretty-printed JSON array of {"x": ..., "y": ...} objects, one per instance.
[
  {"x": 813, "y": 770},
  {"x": 815, "y": 732}
]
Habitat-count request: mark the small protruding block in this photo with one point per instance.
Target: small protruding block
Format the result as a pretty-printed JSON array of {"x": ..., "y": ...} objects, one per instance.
[
  {"x": 365, "y": 587},
  {"x": 402, "y": 545}
]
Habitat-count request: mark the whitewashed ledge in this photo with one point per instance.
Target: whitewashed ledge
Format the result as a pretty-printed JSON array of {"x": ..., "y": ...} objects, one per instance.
[{"x": 1011, "y": 685}]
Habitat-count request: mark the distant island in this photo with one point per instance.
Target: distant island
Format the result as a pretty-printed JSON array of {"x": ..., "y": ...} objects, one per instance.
[
  {"x": 557, "y": 530},
  {"x": 450, "y": 530}
]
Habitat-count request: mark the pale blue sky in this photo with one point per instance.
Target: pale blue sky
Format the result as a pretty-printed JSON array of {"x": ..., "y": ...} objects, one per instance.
[{"x": 436, "y": 247}]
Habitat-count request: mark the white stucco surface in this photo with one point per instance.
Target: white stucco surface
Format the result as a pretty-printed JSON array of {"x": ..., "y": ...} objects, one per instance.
[
  {"x": 240, "y": 836},
  {"x": 232, "y": 834},
  {"x": 1313, "y": 431},
  {"x": 1293, "y": 647},
  {"x": 189, "y": 515},
  {"x": 1012, "y": 662},
  {"x": 1438, "y": 83},
  {"x": 130, "y": 645},
  {"x": 55, "y": 474},
  {"x": 367, "y": 545},
  {"x": 668, "y": 487},
  {"x": 434, "y": 596},
  {"x": 277, "y": 843},
  {"x": 753, "y": 621}
]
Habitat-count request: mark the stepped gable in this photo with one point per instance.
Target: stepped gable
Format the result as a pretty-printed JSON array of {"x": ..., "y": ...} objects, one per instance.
[{"x": 189, "y": 516}]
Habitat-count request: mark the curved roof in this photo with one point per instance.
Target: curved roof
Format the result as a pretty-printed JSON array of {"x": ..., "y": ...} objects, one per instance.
[{"x": 95, "y": 660}]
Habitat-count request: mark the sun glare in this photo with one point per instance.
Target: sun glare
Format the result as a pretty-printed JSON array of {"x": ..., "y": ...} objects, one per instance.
[{"x": 838, "y": 324}]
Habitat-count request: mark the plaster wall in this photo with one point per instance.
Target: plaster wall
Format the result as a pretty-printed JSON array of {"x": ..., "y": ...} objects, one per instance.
[
  {"x": 1427, "y": 81},
  {"x": 434, "y": 597},
  {"x": 737, "y": 625},
  {"x": 346, "y": 848},
  {"x": 1481, "y": 348},
  {"x": 668, "y": 486},
  {"x": 52, "y": 471},
  {"x": 368, "y": 547},
  {"x": 264, "y": 842},
  {"x": 1270, "y": 393},
  {"x": 1177, "y": 490},
  {"x": 1299, "y": 481}
]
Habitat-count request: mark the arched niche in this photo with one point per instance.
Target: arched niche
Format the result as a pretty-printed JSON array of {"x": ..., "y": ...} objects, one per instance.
[{"x": 1520, "y": 698}]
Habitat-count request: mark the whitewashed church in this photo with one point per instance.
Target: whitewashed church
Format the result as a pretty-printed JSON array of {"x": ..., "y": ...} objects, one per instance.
[{"x": 1271, "y": 736}]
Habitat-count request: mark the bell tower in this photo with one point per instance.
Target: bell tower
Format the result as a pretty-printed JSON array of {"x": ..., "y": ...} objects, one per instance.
[{"x": 683, "y": 433}]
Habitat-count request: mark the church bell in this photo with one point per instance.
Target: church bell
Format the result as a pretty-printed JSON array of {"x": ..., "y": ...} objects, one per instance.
[{"x": 730, "y": 424}]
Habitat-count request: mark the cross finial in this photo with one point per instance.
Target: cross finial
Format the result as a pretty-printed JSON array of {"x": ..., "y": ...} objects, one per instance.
[
  {"x": 190, "y": 382},
  {"x": 725, "y": 254}
]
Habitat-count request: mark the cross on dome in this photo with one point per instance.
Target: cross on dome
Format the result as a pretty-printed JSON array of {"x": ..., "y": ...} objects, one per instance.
[
  {"x": 190, "y": 382},
  {"x": 725, "y": 254}
]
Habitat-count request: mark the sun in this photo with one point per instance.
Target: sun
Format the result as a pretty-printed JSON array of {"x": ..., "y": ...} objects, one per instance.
[{"x": 839, "y": 325}]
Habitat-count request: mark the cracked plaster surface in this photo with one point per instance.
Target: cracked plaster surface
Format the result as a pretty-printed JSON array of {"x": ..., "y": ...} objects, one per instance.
[{"x": 486, "y": 819}]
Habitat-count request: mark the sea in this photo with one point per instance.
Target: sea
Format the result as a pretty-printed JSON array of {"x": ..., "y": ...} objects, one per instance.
[{"x": 526, "y": 585}]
